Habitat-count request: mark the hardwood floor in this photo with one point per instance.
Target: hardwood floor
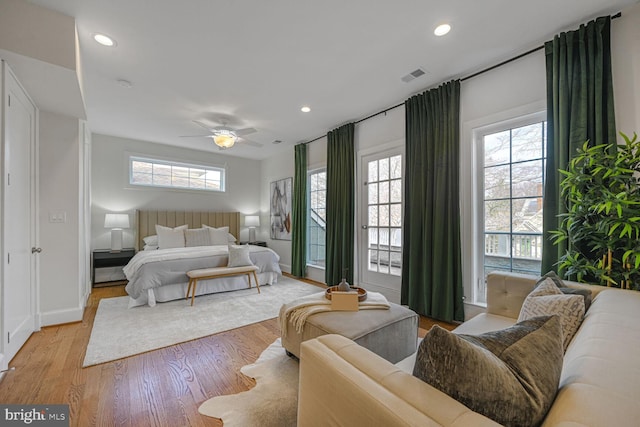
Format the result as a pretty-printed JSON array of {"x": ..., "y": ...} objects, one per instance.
[{"x": 159, "y": 388}]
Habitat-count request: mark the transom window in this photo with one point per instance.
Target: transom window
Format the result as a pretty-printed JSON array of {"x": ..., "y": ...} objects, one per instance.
[
  {"x": 168, "y": 174},
  {"x": 512, "y": 167},
  {"x": 317, "y": 217}
]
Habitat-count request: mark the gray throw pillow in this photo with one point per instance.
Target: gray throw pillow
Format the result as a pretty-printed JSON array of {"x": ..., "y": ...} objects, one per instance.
[
  {"x": 586, "y": 293},
  {"x": 239, "y": 256},
  {"x": 510, "y": 375}
]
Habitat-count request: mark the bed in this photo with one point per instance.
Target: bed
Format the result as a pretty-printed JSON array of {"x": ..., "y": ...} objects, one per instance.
[{"x": 159, "y": 275}]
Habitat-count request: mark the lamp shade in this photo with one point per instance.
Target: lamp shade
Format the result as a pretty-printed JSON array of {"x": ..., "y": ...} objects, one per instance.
[
  {"x": 116, "y": 221},
  {"x": 252, "y": 221}
]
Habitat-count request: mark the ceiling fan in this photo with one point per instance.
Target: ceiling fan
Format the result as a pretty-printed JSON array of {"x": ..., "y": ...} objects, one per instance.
[{"x": 225, "y": 136}]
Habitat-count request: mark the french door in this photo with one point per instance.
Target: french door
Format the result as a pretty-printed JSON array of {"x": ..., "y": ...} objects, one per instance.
[{"x": 381, "y": 219}]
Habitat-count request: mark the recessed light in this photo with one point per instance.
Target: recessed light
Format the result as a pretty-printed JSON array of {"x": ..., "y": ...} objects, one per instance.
[
  {"x": 442, "y": 29},
  {"x": 305, "y": 109},
  {"x": 277, "y": 141},
  {"x": 104, "y": 40}
]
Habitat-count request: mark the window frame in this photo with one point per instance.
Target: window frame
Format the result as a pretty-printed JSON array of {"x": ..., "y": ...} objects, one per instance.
[
  {"x": 478, "y": 188},
  {"x": 131, "y": 157},
  {"x": 309, "y": 262}
]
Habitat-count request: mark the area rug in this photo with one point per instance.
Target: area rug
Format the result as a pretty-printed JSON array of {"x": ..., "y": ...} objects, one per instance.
[
  {"x": 273, "y": 402},
  {"x": 120, "y": 332}
]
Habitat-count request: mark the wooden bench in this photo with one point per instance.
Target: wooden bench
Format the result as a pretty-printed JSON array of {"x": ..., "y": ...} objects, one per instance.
[{"x": 214, "y": 273}]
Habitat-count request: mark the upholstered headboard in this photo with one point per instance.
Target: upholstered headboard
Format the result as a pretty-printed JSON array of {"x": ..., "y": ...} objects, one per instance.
[{"x": 147, "y": 220}]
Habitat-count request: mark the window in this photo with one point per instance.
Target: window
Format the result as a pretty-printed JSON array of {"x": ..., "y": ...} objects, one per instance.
[
  {"x": 168, "y": 174},
  {"x": 317, "y": 217},
  {"x": 512, "y": 167},
  {"x": 384, "y": 215}
]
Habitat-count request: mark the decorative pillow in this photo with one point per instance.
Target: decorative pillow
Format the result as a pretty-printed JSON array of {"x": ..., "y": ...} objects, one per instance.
[
  {"x": 239, "y": 256},
  {"x": 170, "y": 237},
  {"x": 510, "y": 375},
  {"x": 586, "y": 293},
  {"x": 547, "y": 300},
  {"x": 150, "y": 247},
  {"x": 151, "y": 240},
  {"x": 218, "y": 236},
  {"x": 197, "y": 237}
]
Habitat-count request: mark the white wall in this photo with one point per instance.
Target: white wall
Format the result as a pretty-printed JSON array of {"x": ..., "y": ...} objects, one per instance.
[
  {"x": 110, "y": 191},
  {"x": 273, "y": 169},
  {"x": 625, "y": 52},
  {"x": 61, "y": 275}
]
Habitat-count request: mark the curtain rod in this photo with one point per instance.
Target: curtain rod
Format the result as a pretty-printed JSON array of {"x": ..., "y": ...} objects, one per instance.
[{"x": 493, "y": 67}]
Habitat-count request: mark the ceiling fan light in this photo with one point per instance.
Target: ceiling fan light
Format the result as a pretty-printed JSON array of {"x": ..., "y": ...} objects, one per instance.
[{"x": 224, "y": 140}]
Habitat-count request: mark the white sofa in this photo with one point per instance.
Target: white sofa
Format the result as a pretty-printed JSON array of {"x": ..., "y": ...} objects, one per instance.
[{"x": 343, "y": 384}]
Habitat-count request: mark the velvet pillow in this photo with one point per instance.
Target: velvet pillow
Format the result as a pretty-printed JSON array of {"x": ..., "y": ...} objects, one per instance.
[
  {"x": 239, "y": 256},
  {"x": 586, "y": 293},
  {"x": 170, "y": 237},
  {"x": 547, "y": 300},
  {"x": 197, "y": 237},
  {"x": 510, "y": 375}
]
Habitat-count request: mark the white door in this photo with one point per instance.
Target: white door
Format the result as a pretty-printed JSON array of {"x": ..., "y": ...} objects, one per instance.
[
  {"x": 381, "y": 221},
  {"x": 18, "y": 290}
]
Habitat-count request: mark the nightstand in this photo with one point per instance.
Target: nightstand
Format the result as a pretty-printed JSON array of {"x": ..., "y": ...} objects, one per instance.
[
  {"x": 257, "y": 243},
  {"x": 102, "y": 258}
]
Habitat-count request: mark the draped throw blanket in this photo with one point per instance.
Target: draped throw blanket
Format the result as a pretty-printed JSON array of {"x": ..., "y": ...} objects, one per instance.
[
  {"x": 340, "y": 204},
  {"x": 297, "y": 312},
  {"x": 579, "y": 108},
  {"x": 299, "y": 232},
  {"x": 431, "y": 256}
]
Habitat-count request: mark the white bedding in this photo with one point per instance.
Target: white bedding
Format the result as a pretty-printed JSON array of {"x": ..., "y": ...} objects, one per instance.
[{"x": 160, "y": 275}]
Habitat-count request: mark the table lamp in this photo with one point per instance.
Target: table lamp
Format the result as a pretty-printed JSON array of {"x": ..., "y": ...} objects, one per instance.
[
  {"x": 116, "y": 222},
  {"x": 252, "y": 221}
]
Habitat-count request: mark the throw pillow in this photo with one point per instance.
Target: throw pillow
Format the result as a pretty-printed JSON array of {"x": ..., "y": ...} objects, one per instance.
[
  {"x": 239, "y": 256},
  {"x": 231, "y": 238},
  {"x": 170, "y": 237},
  {"x": 547, "y": 300},
  {"x": 586, "y": 293},
  {"x": 197, "y": 237},
  {"x": 151, "y": 240},
  {"x": 510, "y": 375},
  {"x": 218, "y": 236}
]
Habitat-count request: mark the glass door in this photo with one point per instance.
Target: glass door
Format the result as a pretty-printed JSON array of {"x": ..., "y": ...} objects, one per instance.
[{"x": 381, "y": 219}]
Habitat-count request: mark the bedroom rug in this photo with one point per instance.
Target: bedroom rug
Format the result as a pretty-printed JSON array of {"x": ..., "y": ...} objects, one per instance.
[
  {"x": 120, "y": 332},
  {"x": 273, "y": 402}
]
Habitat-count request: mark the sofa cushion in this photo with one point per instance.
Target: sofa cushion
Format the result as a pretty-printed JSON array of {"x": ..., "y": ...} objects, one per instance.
[
  {"x": 586, "y": 293},
  {"x": 510, "y": 375},
  {"x": 547, "y": 300}
]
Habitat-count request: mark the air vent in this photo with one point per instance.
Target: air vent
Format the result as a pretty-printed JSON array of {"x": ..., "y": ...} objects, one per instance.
[{"x": 413, "y": 75}]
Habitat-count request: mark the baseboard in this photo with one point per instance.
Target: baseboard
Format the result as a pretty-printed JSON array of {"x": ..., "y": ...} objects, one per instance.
[
  {"x": 4, "y": 365},
  {"x": 58, "y": 317},
  {"x": 286, "y": 268}
]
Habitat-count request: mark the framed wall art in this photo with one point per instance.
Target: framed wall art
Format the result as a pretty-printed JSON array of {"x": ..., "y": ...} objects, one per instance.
[{"x": 281, "y": 192}]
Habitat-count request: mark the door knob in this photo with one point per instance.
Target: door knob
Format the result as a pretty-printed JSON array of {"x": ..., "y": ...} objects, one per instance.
[{"x": 34, "y": 250}]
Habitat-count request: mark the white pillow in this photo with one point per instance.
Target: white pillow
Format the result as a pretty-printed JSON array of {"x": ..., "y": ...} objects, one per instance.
[
  {"x": 231, "y": 238},
  {"x": 150, "y": 247},
  {"x": 239, "y": 256},
  {"x": 548, "y": 300},
  {"x": 197, "y": 237},
  {"x": 170, "y": 237},
  {"x": 151, "y": 240},
  {"x": 218, "y": 235}
]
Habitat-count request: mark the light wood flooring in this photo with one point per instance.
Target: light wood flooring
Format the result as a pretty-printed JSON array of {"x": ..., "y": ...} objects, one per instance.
[{"x": 159, "y": 388}]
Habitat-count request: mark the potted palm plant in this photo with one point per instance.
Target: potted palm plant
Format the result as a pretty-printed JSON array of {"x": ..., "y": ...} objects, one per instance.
[{"x": 602, "y": 223}]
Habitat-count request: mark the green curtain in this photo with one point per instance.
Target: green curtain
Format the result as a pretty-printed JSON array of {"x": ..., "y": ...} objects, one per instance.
[
  {"x": 299, "y": 208},
  {"x": 579, "y": 108},
  {"x": 340, "y": 204},
  {"x": 431, "y": 253}
]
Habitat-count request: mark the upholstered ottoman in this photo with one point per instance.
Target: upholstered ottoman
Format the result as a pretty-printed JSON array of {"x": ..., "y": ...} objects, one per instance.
[{"x": 392, "y": 333}]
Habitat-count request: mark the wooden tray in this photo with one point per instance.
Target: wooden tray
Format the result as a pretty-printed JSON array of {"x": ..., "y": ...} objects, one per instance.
[{"x": 362, "y": 293}]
